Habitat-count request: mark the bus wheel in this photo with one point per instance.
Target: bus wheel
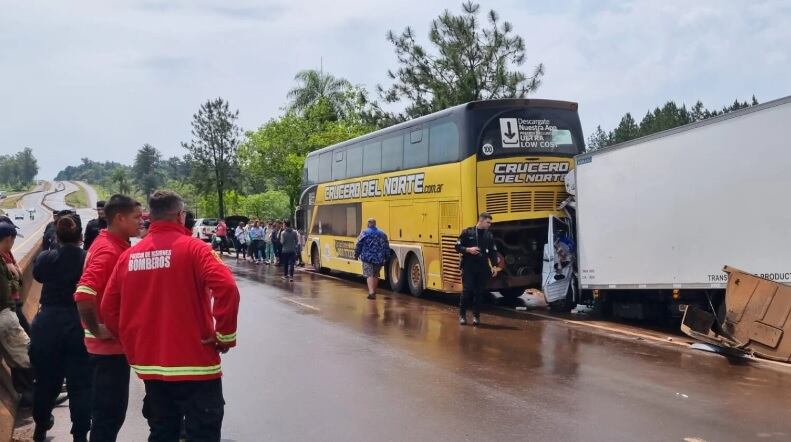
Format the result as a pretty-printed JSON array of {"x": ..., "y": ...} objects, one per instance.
[
  {"x": 511, "y": 292},
  {"x": 315, "y": 259},
  {"x": 396, "y": 276},
  {"x": 414, "y": 276}
]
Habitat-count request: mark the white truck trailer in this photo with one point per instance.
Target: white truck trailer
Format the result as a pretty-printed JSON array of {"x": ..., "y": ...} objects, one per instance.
[{"x": 658, "y": 218}]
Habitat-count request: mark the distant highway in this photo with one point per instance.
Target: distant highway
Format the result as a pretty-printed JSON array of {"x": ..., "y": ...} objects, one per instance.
[{"x": 33, "y": 229}]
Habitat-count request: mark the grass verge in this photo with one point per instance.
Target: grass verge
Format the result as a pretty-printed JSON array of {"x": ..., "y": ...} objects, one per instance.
[{"x": 77, "y": 199}]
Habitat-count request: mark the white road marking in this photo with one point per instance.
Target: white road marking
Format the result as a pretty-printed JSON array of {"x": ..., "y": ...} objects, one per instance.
[{"x": 300, "y": 304}]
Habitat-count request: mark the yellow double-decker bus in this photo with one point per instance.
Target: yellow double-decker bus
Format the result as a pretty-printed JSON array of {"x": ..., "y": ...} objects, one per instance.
[{"x": 426, "y": 179}]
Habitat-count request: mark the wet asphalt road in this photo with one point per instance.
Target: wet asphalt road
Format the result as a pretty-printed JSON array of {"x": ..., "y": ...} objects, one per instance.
[{"x": 317, "y": 361}]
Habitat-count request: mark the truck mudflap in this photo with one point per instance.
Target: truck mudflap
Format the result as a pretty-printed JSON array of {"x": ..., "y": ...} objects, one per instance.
[{"x": 755, "y": 319}]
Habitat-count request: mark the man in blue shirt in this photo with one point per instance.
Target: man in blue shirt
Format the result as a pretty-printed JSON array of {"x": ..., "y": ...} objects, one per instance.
[{"x": 372, "y": 249}]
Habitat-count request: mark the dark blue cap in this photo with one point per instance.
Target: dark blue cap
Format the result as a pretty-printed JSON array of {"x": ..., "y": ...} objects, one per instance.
[{"x": 7, "y": 229}]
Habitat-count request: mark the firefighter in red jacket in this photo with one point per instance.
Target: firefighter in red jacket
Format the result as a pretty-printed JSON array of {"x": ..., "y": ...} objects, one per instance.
[
  {"x": 110, "y": 391},
  {"x": 173, "y": 305}
]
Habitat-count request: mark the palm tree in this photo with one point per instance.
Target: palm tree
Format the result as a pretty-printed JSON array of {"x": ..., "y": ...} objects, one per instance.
[
  {"x": 316, "y": 86},
  {"x": 119, "y": 177}
]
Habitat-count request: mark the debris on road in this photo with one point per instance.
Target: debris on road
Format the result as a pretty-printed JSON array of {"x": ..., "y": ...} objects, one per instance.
[{"x": 754, "y": 319}]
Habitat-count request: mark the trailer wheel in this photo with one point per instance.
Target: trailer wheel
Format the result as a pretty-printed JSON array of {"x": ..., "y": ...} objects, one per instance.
[
  {"x": 414, "y": 276},
  {"x": 512, "y": 292},
  {"x": 396, "y": 276}
]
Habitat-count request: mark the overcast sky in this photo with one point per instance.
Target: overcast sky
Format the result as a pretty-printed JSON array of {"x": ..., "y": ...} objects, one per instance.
[{"x": 98, "y": 79}]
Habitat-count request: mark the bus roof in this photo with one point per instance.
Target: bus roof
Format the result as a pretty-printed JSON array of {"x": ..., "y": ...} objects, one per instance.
[{"x": 456, "y": 110}]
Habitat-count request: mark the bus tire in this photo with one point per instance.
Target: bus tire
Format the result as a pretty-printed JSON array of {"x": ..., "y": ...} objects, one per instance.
[
  {"x": 315, "y": 259},
  {"x": 396, "y": 276},
  {"x": 512, "y": 292},
  {"x": 414, "y": 276}
]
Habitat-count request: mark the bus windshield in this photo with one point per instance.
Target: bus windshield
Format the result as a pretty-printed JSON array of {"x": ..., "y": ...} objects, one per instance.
[{"x": 530, "y": 131}]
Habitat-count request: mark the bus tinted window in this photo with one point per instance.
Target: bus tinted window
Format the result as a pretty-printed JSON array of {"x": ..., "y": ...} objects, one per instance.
[
  {"x": 325, "y": 166},
  {"x": 338, "y": 220},
  {"x": 372, "y": 158},
  {"x": 416, "y": 151},
  {"x": 354, "y": 161},
  {"x": 443, "y": 143},
  {"x": 312, "y": 166},
  {"x": 393, "y": 153},
  {"x": 530, "y": 131},
  {"x": 339, "y": 165}
]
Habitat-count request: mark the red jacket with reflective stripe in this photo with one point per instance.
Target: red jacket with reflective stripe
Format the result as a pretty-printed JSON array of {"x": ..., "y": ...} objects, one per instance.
[
  {"x": 167, "y": 294},
  {"x": 99, "y": 265}
]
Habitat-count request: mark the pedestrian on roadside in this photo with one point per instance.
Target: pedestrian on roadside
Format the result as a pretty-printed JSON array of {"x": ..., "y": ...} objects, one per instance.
[
  {"x": 277, "y": 246},
  {"x": 221, "y": 233},
  {"x": 182, "y": 372},
  {"x": 110, "y": 392},
  {"x": 300, "y": 248},
  {"x": 240, "y": 239},
  {"x": 257, "y": 239},
  {"x": 94, "y": 226},
  {"x": 57, "y": 350},
  {"x": 16, "y": 280},
  {"x": 267, "y": 251},
  {"x": 289, "y": 242},
  {"x": 13, "y": 338},
  {"x": 372, "y": 249},
  {"x": 476, "y": 244},
  {"x": 249, "y": 239}
]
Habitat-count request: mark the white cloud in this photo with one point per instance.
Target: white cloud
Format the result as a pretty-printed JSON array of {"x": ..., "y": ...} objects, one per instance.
[{"x": 99, "y": 79}]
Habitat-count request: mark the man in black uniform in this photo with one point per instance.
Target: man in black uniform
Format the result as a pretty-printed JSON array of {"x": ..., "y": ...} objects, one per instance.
[
  {"x": 94, "y": 226},
  {"x": 476, "y": 244}
]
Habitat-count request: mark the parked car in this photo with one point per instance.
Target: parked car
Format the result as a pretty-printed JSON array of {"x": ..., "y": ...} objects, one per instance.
[
  {"x": 2, "y": 195},
  {"x": 19, "y": 215},
  {"x": 204, "y": 228}
]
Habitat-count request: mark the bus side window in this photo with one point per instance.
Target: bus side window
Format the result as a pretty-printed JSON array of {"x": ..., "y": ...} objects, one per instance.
[
  {"x": 339, "y": 165},
  {"x": 354, "y": 161},
  {"x": 313, "y": 170},
  {"x": 416, "y": 151},
  {"x": 372, "y": 158},
  {"x": 325, "y": 167},
  {"x": 443, "y": 143},
  {"x": 393, "y": 153}
]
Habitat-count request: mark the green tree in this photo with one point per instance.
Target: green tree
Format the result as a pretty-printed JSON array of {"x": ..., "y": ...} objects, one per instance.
[
  {"x": 121, "y": 179},
  {"x": 28, "y": 166},
  {"x": 272, "y": 204},
  {"x": 273, "y": 155},
  {"x": 472, "y": 60},
  {"x": 627, "y": 130},
  {"x": 147, "y": 170},
  {"x": 315, "y": 86},
  {"x": 598, "y": 139},
  {"x": 215, "y": 140}
]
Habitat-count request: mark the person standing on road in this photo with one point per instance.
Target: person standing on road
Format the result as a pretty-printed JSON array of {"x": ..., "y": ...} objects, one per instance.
[
  {"x": 476, "y": 244},
  {"x": 372, "y": 249},
  {"x": 289, "y": 242},
  {"x": 222, "y": 234},
  {"x": 174, "y": 342},
  {"x": 256, "y": 239},
  {"x": 16, "y": 281},
  {"x": 57, "y": 350},
  {"x": 13, "y": 339},
  {"x": 266, "y": 250},
  {"x": 240, "y": 240},
  {"x": 110, "y": 394},
  {"x": 94, "y": 226}
]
